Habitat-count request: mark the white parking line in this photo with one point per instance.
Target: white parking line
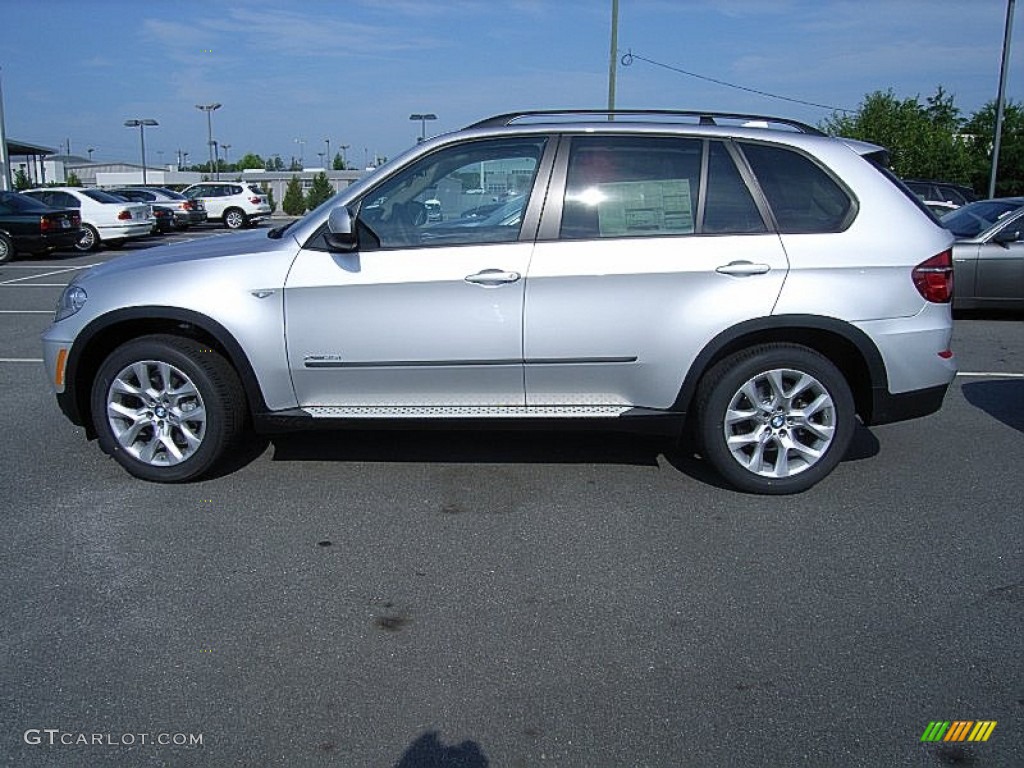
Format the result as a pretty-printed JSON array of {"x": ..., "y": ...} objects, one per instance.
[
  {"x": 990, "y": 375},
  {"x": 21, "y": 359},
  {"x": 44, "y": 274},
  {"x": 26, "y": 311},
  {"x": 34, "y": 285}
]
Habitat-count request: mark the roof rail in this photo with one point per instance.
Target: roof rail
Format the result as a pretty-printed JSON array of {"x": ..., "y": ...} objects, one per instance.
[{"x": 702, "y": 117}]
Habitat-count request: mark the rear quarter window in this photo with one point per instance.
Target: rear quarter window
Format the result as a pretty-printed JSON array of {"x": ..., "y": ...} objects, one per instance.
[{"x": 803, "y": 197}]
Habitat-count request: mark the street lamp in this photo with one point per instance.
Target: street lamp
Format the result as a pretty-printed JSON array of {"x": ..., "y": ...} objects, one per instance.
[
  {"x": 208, "y": 109},
  {"x": 423, "y": 122},
  {"x": 327, "y": 154},
  {"x": 302, "y": 150},
  {"x": 141, "y": 125},
  {"x": 225, "y": 147},
  {"x": 344, "y": 164}
]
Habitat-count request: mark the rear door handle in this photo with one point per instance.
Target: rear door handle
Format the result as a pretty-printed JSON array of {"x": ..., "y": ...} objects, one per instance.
[
  {"x": 492, "y": 277},
  {"x": 743, "y": 268}
]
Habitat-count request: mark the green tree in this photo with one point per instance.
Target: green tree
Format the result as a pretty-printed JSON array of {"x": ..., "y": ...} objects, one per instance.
[
  {"x": 979, "y": 135},
  {"x": 250, "y": 160},
  {"x": 21, "y": 180},
  {"x": 270, "y": 196},
  {"x": 923, "y": 140},
  {"x": 73, "y": 180},
  {"x": 294, "y": 203},
  {"x": 320, "y": 192},
  {"x": 339, "y": 162}
]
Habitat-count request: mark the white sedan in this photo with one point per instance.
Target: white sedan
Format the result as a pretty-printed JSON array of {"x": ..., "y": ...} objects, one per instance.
[{"x": 106, "y": 219}]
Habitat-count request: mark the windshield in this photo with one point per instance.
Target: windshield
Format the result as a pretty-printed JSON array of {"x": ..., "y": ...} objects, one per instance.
[{"x": 974, "y": 218}]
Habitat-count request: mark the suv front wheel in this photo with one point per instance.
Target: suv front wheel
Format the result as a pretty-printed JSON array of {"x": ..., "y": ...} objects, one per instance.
[
  {"x": 774, "y": 419},
  {"x": 167, "y": 408}
]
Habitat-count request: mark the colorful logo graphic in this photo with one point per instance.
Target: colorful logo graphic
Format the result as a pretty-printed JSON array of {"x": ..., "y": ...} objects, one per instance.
[{"x": 958, "y": 730}]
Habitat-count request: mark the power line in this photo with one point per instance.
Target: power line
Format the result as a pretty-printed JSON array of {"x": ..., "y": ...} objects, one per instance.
[{"x": 629, "y": 57}]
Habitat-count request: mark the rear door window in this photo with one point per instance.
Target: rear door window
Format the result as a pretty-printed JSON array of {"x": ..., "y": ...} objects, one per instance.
[{"x": 626, "y": 186}]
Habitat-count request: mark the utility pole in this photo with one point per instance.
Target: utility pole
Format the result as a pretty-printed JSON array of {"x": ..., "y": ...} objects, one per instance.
[
  {"x": 5, "y": 161},
  {"x": 1001, "y": 103},
  {"x": 613, "y": 58}
]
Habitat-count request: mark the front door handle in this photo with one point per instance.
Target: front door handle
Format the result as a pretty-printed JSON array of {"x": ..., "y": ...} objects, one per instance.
[
  {"x": 743, "y": 268},
  {"x": 492, "y": 277}
]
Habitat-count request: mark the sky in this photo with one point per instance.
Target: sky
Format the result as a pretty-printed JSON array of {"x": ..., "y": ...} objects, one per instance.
[{"x": 296, "y": 77}]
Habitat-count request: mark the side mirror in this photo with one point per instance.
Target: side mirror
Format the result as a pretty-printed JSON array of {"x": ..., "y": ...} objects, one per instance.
[
  {"x": 1006, "y": 236},
  {"x": 341, "y": 235}
]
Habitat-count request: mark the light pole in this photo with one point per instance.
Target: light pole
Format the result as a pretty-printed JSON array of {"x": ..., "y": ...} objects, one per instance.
[
  {"x": 225, "y": 147},
  {"x": 328, "y": 153},
  {"x": 90, "y": 150},
  {"x": 1001, "y": 101},
  {"x": 423, "y": 123},
  {"x": 141, "y": 125},
  {"x": 208, "y": 109},
  {"x": 344, "y": 163},
  {"x": 302, "y": 150}
]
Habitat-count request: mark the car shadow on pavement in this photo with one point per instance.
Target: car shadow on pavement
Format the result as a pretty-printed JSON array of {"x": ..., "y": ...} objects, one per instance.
[
  {"x": 1002, "y": 399},
  {"x": 428, "y": 752},
  {"x": 463, "y": 446},
  {"x": 470, "y": 447}
]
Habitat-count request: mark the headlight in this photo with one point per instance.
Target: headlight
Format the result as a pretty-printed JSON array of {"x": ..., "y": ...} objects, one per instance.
[{"x": 71, "y": 300}]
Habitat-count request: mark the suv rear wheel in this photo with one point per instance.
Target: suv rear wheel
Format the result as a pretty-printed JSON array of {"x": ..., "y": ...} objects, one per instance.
[
  {"x": 235, "y": 218},
  {"x": 774, "y": 419},
  {"x": 167, "y": 408}
]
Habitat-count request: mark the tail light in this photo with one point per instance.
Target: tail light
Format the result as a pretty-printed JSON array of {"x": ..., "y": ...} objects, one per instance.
[
  {"x": 933, "y": 277},
  {"x": 124, "y": 215},
  {"x": 188, "y": 205},
  {"x": 45, "y": 224},
  {"x": 255, "y": 200}
]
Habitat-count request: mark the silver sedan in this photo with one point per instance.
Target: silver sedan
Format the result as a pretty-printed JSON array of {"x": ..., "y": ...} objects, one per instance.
[{"x": 988, "y": 255}]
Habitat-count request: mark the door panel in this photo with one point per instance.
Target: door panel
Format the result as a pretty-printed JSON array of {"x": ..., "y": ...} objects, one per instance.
[
  {"x": 619, "y": 322},
  {"x": 406, "y": 328},
  {"x": 1000, "y": 271}
]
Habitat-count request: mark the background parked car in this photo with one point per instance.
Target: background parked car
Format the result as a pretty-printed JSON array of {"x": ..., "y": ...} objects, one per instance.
[
  {"x": 941, "y": 191},
  {"x": 988, "y": 255},
  {"x": 186, "y": 212},
  {"x": 106, "y": 219},
  {"x": 30, "y": 226},
  {"x": 235, "y": 203}
]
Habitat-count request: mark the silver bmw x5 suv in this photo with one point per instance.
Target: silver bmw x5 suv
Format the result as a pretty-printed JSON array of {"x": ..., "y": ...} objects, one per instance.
[{"x": 745, "y": 280}]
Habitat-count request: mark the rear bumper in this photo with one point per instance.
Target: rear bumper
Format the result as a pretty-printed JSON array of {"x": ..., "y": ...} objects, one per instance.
[
  {"x": 137, "y": 229},
  {"x": 45, "y": 241}
]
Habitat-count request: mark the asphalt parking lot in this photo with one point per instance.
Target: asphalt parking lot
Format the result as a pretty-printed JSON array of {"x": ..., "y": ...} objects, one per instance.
[{"x": 502, "y": 599}]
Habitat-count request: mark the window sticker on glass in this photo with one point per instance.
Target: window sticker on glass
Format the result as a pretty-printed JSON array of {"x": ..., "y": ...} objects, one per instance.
[{"x": 645, "y": 208}]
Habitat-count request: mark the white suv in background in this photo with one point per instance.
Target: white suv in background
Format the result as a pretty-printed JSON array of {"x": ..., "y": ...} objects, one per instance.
[
  {"x": 748, "y": 281},
  {"x": 238, "y": 204}
]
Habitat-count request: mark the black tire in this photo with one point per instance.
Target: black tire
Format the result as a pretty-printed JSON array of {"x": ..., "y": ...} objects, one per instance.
[
  {"x": 6, "y": 248},
  {"x": 176, "y": 432},
  {"x": 89, "y": 239},
  {"x": 235, "y": 218},
  {"x": 779, "y": 445}
]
